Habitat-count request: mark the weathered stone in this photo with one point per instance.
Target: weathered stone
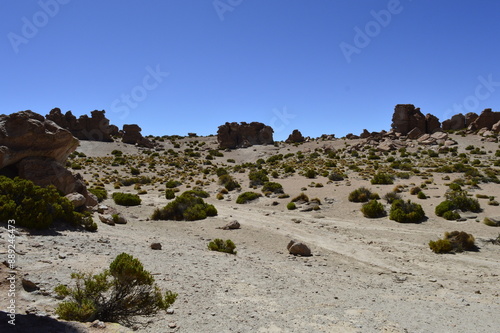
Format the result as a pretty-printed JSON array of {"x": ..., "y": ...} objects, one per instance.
[
  {"x": 439, "y": 135},
  {"x": 365, "y": 134},
  {"x": 456, "y": 122},
  {"x": 496, "y": 128},
  {"x": 298, "y": 248},
  {"x": 155, "y": 246},
  {"x": 415, "y": 133},
  {"x": 470, "y": 118},
  {"x": 76, "y": 199},
  {"x": 432, "y": 123},
  {"x": 29, "y": 286},
  {"x": 106, "y": 218},
  {"x": 295, "y": 137},
  {"x": 406, "y": 117},
  {"x": 232, "y": 225},
  {"x": 132, "y": 134},
  {"x": 486, "y": 119},
  {"x": 234, "y": 135}
]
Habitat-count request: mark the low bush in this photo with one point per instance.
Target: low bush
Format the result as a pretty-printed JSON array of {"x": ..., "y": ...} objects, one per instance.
[
  {"x": 189, "y": 206},
  {"x": 119, "y": 294},
  {"x": 302, "y": 197},
  {"x": 169, "y": 193},
  {"x": 390, "y": 197},
  {"x": 362, "y": 194},
  {"x": 246, "y": 197},
  {"x": 172, "y": 183},
  {"x": 336, "y": 176},
  {"x": 272, "y": 187},
  {"x": 457, "y": 200},
  {"x": 258, "y": 177},
  {"x": 373, "y": 209},
  {"x": 456, "y": 241},
  {"x": 491, "y": 222},
  {"x": 382, "y": 179},
  {"x": 126, "y": 199},
  {"x": 421, "y": 195},
  {"x": 291, "y": 206},
  {"x": 406, "y": 212},
  {"x": 415, "y": 190},
  {"x": 222, "y": 246},
  {"x": 99, "y": 192},
  {"x": 310, "y": 173},
  {"x": 36, "y": 207},
  {"x": 228, "y": 182}
]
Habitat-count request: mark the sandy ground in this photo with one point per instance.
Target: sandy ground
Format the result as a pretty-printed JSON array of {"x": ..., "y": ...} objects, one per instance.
[{"x": 365, "y": 275}]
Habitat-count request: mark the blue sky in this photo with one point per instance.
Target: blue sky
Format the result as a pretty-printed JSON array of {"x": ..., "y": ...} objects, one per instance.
[{"x": 181, "y": 66}]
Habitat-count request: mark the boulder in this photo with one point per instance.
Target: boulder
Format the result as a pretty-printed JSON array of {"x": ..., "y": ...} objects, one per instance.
[
  {"x": 106, "y": 218},
  {"x": 132, "y": 134},
  {"x": 456, "y": 122},
  {"x": 95, "y": 128},
  {"x": 235, "y": 135},
  {"x": 298, "y": 248},
  {"x": 155, "y": 246},
  {"x": 470, "y": 117},
  {"x": 28, "y": 134},
  {"x": 486, "y": 119},
  {"x": 415, "y": 133},
  {"x": 76, "y": 199},
  {"x": 365, "y": 134},
  {"x": 496, "y": 128},
  {"x": 406, "y": 117},
  {"x": 295, "y": 137},
  {"x": 432, "y": 123},
  {"x": 232, "y": 225}
]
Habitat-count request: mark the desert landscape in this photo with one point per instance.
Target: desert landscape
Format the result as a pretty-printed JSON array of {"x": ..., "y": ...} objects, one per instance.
[{"x": 357, "y": 263}]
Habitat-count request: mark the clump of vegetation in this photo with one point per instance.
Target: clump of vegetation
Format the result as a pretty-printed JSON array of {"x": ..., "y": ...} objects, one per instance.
[
  {"x": 247, "y": 196},
  {"x": 38, "y": 207},
  {"x": 126, "y": 199},
  {"x": 302, "y": 197},
  {"x": 421, "y": 195},
  {"x": 392, "y": 196},
  {"x": 311, "y": 173},
  {"x": 362, "y": 194},
  {"x": 456, "y": 241},
  {"x": 99, "y": 192},
  {"x": 222, "y": 246},
  {"x": 258, "y": 177},
  {"x": 406, "y": 212},
  {"x": 382, "y": 179},
  {"x": 228, "y": 182},
  {"x": 189, "y": 206},
  {"x": 272, "y": 187},
  {"x": 169, "y": 193},
  {"x": 491, "y": 222},
  {"x": 415, "y": 190},
  {"x": 373, "y": 209},
  {"x": 118, "y": 294},
  {"x": 456, "y": 200},
  {"x": 172, "y": 183},
  {"x": 291, "y": 206}
]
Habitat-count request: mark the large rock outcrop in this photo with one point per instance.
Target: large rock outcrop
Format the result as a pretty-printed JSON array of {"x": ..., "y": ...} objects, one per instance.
[
  {"x": 456, "y": 122},
  {"x": 36, "y": 149},
  {"x": 295, "y": 137},
  {"x": 132, "y": 134},
  {"x": 95, "y": 128},
  {"x": 235, "y": 135},
  {"x": 406, "y": 117},
  {"x": 486, "y": 119}
]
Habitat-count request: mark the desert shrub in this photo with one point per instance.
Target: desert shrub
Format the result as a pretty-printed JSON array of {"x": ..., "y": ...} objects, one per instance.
[
  {"x": 99, "y": 192},
  {"x": 246, "y": 197},
  {"x": 456, "y": 200},
  {"x": 118, "y": 294},
  {"x": 291, "y": 206},
  {"x": 135, "y": 171},
  {"x": 228, "y": 182},
  {"x": 455, "y": 187},
  {"x": 272, "y": 187},
  {"x": 172, "y": 183},
  {"x": 302, "y": 197},
  {"x": 491, "y": 222},
  {"x": 37, "y": 207},
  {"x": 390, "y": 197},
  {"x": 289, "y": 169},
  {"x": 311, "y": 173},
  {"x": 362, "y": 194},
  {"x": 197, "y": 192},
  {"x": 189, "y": 206},
  {"x": 126, "y": 199},
  {"x": 421, "y": 195},
  {"x": 222, "y": 246},
  {"x": 455, "y": 241},
  {"x": 382, "y": 179},
  {"x": 373, "y": 209},
  {"x": 221, "y": 171},
  {"x": 169, "y": 193},
  {"x": 493, "y": 203},
  {"x": 415, "y": 190},
  {"x": 117, "y": 152},
  {"x": 336, "y": 176},
  {"x": 406, "y": 212},
  {"x": 451, "y": 215},
  {"x": 258, "y": 177}
]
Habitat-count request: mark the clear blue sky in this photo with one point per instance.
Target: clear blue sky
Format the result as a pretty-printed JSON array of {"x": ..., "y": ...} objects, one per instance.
[{"x": 181, "y": 66}]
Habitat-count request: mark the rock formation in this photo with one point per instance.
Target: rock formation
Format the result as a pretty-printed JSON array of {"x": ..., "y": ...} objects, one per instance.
[
  {"x": 432, "y": 123},
  {"x": 295, "y": 137},
  {"x": 132, "y": 134},
  {"x": 234, "y": 135},
  {"x": 35, "y": 149},
  {"x": 469, "y": 118},
  {"x": 96, "y": 127},
  {"x": 486, "y": 119},
  {"x": 406, "y": 117},
  {"x": 456, "y": 122}
]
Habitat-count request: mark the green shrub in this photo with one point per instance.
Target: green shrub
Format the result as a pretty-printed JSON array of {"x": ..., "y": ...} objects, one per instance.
[
  {"x": 246, "y": 197},
  {"x": 302, "y": 197},
  {"x": 421, "y": 195},
  {"x": 310, "y": 173},
  {"x": 491, "y": 222},
  {"x": 172, "y": 183},
  {"x": 126, "y": 199},
  {"x": 382, "y": 179},
  {"x": 373, "y": 209},
  {"x": 362, "y": 194},
  {"x": 390, "y": 197},
  {"x": 406, "y": 212},
  {"x": 134, "y": 171},
  {"x": 455, "y": 187},
  {"x": 228, "y": 182},
  {"x": 169, "y": 193},
  {"x": 37, "y": 207},
  {"x": 456, "y": 200},
  {"x": 336, "y": 176},
  {"x": 291, "y": 206},
  {"x": 455, "y": 241},
  {"x": 272, "y": 187},
  {"x": 189, "y": 206},
  {"x": 118, "y": 294},
  {"x": 415, "y": 190},
  {"x": 222, "y": 246},
  {"x": 99, "y": 192},
  {"x": 451, "y": 215},
  {"x": 258, "y": 177}
]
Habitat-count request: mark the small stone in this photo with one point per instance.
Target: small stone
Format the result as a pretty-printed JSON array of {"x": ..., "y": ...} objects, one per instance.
[
  {"x": 170, "y": 311},
  {"x": 98, "y": 324},
  {"x": 29, "y": 286},
  {"x": 62, "y": 255},
  {"x": 156, "y": 246},
  {"x": 432, "y": 280},
  {"x": 106, "y": 218},
  {"x": 172, "y": 325},
  {"x": 232, "y": 225}
]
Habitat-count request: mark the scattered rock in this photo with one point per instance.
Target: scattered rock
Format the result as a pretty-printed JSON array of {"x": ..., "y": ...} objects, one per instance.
[
  {"x": 62, "y": 255},
  {"x": 76, "y": 199},
  {"x": 98, "y": 324},
  {"x": 106, "y": 218},
  {"x": 232, "y": 225},
  {"x": 156, "y": 246},
  {"x": 298, "y": 248},
  {"x": 29, "y": 286},
  {"x": 295, "y": 137}
]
